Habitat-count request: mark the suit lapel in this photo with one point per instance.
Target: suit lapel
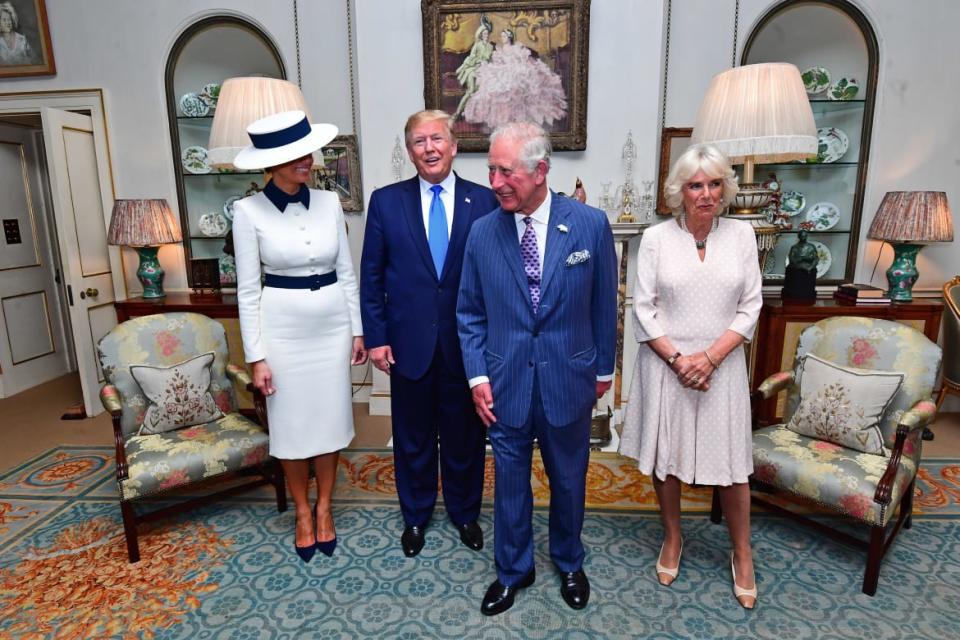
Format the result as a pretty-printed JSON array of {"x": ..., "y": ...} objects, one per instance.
[
  {"x": 510, "y": 246},
  {"x": 556, "y": 241},
  {"x": 413, "y": 212},
  {"x": 462, "y": 208}
]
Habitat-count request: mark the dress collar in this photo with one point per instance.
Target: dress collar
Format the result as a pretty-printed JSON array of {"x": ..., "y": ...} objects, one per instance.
[{"x": 281, "y": 198}]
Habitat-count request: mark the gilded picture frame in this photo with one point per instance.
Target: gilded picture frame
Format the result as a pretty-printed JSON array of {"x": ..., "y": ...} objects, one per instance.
[
  {"x": 487, "y": 62},
  {"x": 25, "y": 46},
  {"x": 341, "y": 172},
  {"x": 673, "y": 142}
]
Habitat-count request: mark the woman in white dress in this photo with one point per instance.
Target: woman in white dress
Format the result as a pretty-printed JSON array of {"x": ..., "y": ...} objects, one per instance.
[
  {"x": 301, "y": 327},
  {"x": 697, "y": 299},
  {"x": 14, "y": 48}
]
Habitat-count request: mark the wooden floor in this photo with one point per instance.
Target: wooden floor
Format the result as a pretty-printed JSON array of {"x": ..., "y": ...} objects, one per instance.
[{"x": 30, "y": 424}]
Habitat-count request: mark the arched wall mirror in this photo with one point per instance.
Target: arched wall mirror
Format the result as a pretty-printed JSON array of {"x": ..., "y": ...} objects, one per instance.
[
  {"x": 207, "y": 53},
  {"x": 833, "y": 42}
]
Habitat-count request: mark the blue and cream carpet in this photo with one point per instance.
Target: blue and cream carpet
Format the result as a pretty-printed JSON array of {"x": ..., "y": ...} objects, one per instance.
[{"x": 227, "y": 571}]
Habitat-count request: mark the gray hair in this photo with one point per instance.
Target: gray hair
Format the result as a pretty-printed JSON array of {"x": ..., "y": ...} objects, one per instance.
[
  {"x": 704, "y": 157},
  {"x": 14, "y": 21},
  {"x": 535, "y": 141}
]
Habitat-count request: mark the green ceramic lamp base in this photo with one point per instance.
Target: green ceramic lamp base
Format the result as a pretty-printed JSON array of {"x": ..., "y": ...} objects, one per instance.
[
  {"x": 903, "y": 272},
  {"x": 150, "y": 273}
]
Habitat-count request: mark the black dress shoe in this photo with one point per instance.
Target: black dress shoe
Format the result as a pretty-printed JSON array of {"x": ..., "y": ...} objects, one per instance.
[
  {"x": 412, "y": 540},
  {"x": 575, "y": 589},
  {"x": 471, "y": 535},
  {"x": 500, "y": 598}
]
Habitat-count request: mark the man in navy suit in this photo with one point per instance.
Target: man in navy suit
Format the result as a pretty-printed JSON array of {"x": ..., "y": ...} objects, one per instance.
[
  {"x": 537, "y": 323},
  {"x": 409, "y": 277}
]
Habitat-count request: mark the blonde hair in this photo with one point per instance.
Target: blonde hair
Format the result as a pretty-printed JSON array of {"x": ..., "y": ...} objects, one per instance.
[
  {"x": 712, "y": 162},
  {"x": 428, "y": 115}
]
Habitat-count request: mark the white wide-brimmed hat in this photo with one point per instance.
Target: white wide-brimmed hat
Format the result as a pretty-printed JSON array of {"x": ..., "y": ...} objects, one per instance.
[{"x": 281, "y": 138}]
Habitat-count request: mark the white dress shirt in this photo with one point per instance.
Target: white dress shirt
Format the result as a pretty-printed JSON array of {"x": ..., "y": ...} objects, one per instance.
[{"x": 446, "y": 197}]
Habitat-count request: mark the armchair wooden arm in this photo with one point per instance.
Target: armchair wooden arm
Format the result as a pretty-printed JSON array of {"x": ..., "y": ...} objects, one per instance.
[
  {"x": 110, "y": 398},
  {"x": 773, "y": 385},
  {"x": 259, "y": 405},
  {"x": 911, "y": 426}
]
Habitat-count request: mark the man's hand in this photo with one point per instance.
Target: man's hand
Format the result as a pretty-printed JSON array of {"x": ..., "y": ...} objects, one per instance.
[
  {"x": 263, "y": 378},
  {"x": 483, "y": 402},
  {"x": 382, "y": 358},
  {"x": 603, "y": 387}
]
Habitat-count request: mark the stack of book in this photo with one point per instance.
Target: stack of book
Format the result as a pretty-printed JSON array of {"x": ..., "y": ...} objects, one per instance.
[{"x": 851, "y": 293}]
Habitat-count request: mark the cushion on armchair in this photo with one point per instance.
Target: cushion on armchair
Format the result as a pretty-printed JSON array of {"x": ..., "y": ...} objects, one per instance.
[
  {"x": 179, "y": 394},
  {"x": 844, "y": 405}
]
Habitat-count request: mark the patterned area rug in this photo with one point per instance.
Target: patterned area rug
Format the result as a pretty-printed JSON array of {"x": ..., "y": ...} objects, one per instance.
[{"x": 227, "y": 571}]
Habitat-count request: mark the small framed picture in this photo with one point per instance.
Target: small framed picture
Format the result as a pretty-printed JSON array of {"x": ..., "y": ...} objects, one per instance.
[
  {"x": 25, "y": 47},
  {"x": 673, "y": 142},
  {"x": 341, "y": 172}
]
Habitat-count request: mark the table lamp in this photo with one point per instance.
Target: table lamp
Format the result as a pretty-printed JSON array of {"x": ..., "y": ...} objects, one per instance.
[
  {"x": 908, "y": 220},
  {"x": 757, "y": 113},
  {"x": 144, "y": 225},
  {"x": 242, "y": 101}
]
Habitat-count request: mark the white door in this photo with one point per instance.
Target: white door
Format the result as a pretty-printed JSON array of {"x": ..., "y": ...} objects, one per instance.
[
  {"x": 32, "y": 339},
  {"x": 78, "y": 207}
]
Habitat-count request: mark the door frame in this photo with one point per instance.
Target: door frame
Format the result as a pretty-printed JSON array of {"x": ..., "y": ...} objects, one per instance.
[{"x": 92, "y": 102}]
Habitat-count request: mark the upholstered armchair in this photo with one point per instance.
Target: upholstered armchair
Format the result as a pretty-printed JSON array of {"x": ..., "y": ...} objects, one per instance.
[
  {"x": 865, "y": 486},
  {"x": 951, "y": 341},
  {"x": 156, "y": 455}
]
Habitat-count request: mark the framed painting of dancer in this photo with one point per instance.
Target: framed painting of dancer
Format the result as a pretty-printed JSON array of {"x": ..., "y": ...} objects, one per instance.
[
  {"x": 489, "y": 62},
  {"x": 25, "y": 48}
]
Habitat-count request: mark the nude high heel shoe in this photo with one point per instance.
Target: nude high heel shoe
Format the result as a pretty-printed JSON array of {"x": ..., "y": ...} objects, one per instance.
[
  {"x": 740, "y": 592},
  {"x": 666, "y": 571}
]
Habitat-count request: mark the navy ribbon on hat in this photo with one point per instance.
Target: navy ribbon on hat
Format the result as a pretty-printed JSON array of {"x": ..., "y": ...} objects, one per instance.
[
  {"x": 274, "y": 139},
  {"x": 281, "y": 198}
]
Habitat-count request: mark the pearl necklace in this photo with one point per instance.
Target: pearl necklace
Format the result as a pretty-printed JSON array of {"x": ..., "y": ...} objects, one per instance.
[{"x": 701, "y": 244}]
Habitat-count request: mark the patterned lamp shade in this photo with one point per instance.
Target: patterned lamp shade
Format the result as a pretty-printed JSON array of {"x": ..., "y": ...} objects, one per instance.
[
  {"x": 242, "y": 101},
  {"x": 913, "y": 216},
  {"x": 143, "y": 223},
  {"x": 759, "y": 112}
]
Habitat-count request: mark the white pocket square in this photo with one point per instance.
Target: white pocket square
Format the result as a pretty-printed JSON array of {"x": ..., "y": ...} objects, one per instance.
[{"x": 577, "y": 257}]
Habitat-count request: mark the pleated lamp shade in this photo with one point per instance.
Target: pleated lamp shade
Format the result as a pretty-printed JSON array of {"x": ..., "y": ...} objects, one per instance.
[
  {"x": 241, "y": 102},
  {"x": 913, "y": 216},
  {"x": 758, "y": 112},
  {"x": 142, "y": 223}
]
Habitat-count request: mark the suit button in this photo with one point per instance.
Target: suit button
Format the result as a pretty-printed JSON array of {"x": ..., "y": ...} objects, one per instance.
[
  {"x": 536, "y": 332},
  {"x": 530, "y": 364},
  {"x": 439, "y": 289}
]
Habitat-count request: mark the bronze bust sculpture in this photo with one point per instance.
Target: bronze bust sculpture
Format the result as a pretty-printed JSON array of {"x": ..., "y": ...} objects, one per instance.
[{"x": 801, "y": 276}]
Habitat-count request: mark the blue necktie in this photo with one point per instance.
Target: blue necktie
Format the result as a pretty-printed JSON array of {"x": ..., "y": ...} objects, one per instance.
[{"x": 437, "y": 230}]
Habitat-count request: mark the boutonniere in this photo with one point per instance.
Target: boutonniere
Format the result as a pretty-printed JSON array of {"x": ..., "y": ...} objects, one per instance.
[{"x": 562, "y": 228}]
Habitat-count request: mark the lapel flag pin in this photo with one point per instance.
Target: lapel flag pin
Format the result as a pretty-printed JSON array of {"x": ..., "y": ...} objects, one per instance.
[{"x": 467, "y": 200}]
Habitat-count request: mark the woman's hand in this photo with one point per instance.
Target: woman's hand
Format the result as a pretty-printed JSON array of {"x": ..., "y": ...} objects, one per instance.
[
  {"x": 263, "y": 378},
  {"x": 359, "y": 354},
  {"x": 694, "y": 371}
]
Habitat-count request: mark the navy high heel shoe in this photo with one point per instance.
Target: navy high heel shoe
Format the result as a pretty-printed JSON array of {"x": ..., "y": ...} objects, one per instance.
[
  {"x": 305, "y": 553},
  {"x": 326, "y": 548}
]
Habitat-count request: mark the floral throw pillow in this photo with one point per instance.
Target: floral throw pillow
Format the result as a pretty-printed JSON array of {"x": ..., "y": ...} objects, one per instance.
[
  {"x": 844, "y": 405},
  {"x": 179, "y": 394}
]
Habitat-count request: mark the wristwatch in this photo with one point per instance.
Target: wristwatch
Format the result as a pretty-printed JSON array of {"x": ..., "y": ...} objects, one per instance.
[{"x": 673, "y": 358}]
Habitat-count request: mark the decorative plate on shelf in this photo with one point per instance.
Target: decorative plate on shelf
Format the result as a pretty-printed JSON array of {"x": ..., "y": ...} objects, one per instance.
[
  {"x": 832, "y": 144},
  {"x": 213, "y": 224},
  {"x": 210, "y": 94},
  {"x": 193, "y": 106},
  {"x": 843, "y": 89},
  {"x": 195, "y": 159},
  {"x": 228, "y": 206},
  {"x": 824, "y": 258},
  {"x": 823, "y": 216},
  {"x": 792, "y": 203},
  {"x": 815, "y": 80}
]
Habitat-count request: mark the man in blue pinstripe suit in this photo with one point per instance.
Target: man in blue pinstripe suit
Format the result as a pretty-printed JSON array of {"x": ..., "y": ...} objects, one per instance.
[{"x": 537, "y": 322}]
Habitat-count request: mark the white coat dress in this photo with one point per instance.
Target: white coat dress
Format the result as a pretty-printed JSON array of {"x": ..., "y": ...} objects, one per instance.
[{"x": 305, "y": 336}]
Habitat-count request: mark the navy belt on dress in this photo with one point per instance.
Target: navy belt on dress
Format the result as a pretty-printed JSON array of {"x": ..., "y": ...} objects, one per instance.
[{"x": 299, "y": 282}]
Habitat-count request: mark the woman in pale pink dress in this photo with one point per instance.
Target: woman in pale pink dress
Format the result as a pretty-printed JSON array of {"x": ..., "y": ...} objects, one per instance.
[{"x": 516, "y": 87}]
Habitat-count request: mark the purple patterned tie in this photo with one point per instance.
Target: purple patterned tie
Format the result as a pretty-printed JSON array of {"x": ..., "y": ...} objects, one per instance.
[{"x": 531, "y": 262}]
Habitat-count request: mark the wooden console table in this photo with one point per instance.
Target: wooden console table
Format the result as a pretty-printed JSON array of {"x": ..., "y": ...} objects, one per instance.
[{"x": 781, "y": 323}]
